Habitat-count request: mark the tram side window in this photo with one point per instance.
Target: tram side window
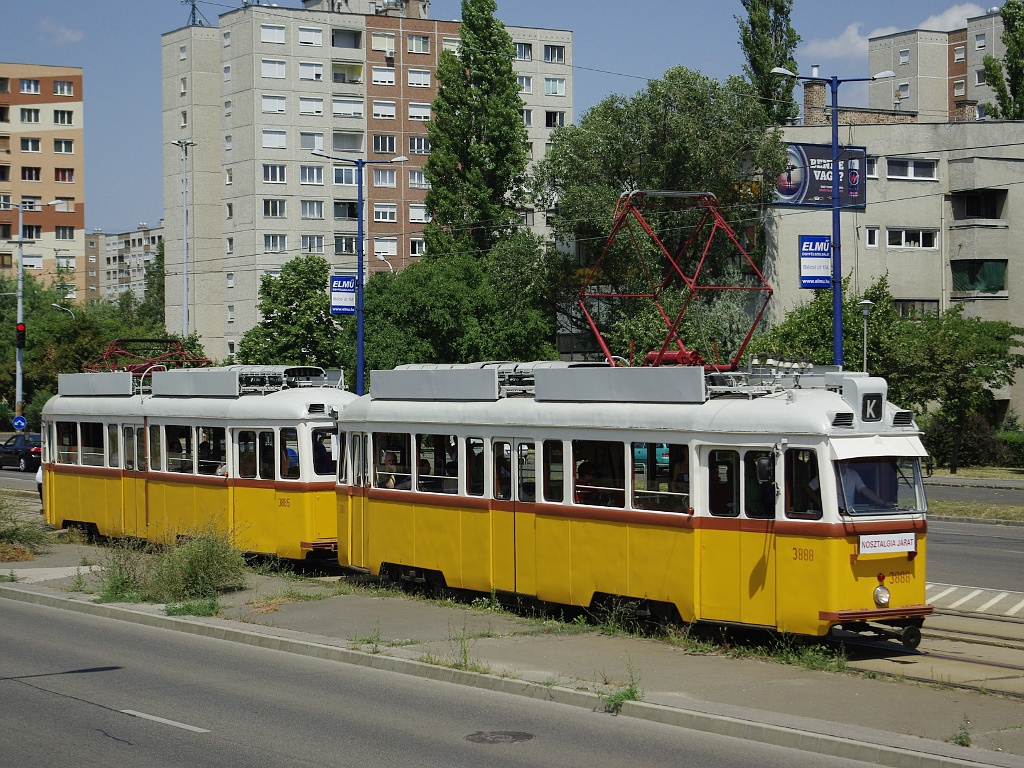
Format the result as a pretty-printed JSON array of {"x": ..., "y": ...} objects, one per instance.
[
  {"x": 724, "y": 483},
  {"x": 391, "y": 456},
  {"x": 661, "y": 479},
  {"x": 92, "y": 444},
  {"x": 526, "y": 461},
  {"x": 758, "y": 495},
  {"x": 211, "y": 452},
  {"x": 325, "y": 452},
  {"x": 801, "y": 476},
  {"x": 179, "y": 448},
  {"x": 290, "y": 453},
  {"x": 554, "y": 472},
  {"x": 437, "y": 463},
  {"x": 600, "y": 472},
  {"x": 156, "y": 448},
  {"x": 67, "y": 442},
  {"x": 266, "y": 452},
  {"x": 129, "y": 448},
  {"x": 245, "y": 439},
  {"x": 502, "y": 455},
  {"x": 113, "y": 459},
  {"x": 475, "y": 466}
]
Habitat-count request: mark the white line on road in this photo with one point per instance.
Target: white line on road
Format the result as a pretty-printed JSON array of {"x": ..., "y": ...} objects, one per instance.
[
  {"x": 993, "y": 601},
  {"x": 963, "y": 600},
  {"x": 1013, "y": 611},
  {"x": 163, "y": 720},
  {"x": 941, "y": 594}
]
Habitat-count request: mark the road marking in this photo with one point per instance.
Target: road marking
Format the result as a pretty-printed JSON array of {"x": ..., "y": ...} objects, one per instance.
[
  {"x": 163, "y": 720},
  {"x": 963, "y": 600},
  {"x": 992, "y": 602},
  {"x": 1013, "y": 611},
  {"x": 941, "y": 594}
]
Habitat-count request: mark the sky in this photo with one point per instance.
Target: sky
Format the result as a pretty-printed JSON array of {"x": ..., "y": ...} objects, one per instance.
[{"x": 617, "y": 47}]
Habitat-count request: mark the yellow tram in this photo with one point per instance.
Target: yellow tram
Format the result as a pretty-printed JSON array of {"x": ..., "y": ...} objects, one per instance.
[
  {"x": 250, "y": 450},
  {"x": 792, "y": 499}
]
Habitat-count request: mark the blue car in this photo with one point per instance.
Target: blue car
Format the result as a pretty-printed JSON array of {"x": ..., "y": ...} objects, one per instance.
[
  {"x": 660, "y": 456},
  {"x": 22, "y": 451}
]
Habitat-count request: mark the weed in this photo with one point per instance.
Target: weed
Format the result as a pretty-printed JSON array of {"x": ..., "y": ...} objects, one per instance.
[
  {"x": 8, "y": 577},
  {"x": 489, "y": 603},
  {"x": 202, "y": 566},
  {"x": 75, "y": 536},
  {"x": 373, "y": 640},
  {"x": 684, "y": 637},
  {"x": 201, "y": 607},
  {"x": 616, "y": 617},
  {"x": 31, "y": 534},
  {"x": 124, "y": 571},
  {"x": 78, "y": 583},
  {"x": 614, "y": 699},
  {"x": 962, "y": 737},
  {"x": 869, "y": 675}
]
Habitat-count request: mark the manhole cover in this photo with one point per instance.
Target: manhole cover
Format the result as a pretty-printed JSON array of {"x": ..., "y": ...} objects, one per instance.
[{"x": 499, "y": 737}]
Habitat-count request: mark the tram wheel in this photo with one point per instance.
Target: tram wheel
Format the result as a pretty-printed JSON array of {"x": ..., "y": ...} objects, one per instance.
[{"x": 910, "y": 637}]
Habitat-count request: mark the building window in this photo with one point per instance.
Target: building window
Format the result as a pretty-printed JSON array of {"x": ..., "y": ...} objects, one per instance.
[
  {"x": 418, "y": 180},
  {"x": 346, "y": 210},
  {"x": 419, "y": 78},
  {"x": 419, "y": 44},
  {"x": 385, "y": 177},
  {"x": 227, "y": 108},
  {"x": 959, "y": 87},
  {"x": 959, "y": 53},
  {"x": 311, "y": 70},
  {"x": 978, "y": 276},
  {"x": 450, "y": 44},
  {"x": 64, "y": 233},
  {"x": 347, "y": 107},
  {"x": 272, "y": 33},
  {"x": 525, "y": 83},
  {"x": 312, "y": 243},
  {"x": 274, "y": 139},
  {"x": 230, "y": 278},
  {"x": 979, "y": 77},
  {"x": 231, "y": 313},
  {"x": 227, "y": 142},
  {"x": 63, "y": 117},
  {"x": 871, "y": 237},
  {"x": 385, "y": 212},
  {"x": 63, "y": 88},
  {"x": 385, "y": 246},
  {"x": 923, "y": 239},
  {"x": 273, "y": 174},
  {"x": 311, "y": 174},
  {"x": 418, "y": 213},
  {"x": 29, "y": 144},
  {"x": 345, "y": 176},
  {"x": 275, "y": 243},
  {"x": 903, "y": 90},
  {"x": 64, "y": 146},
  {"x": 273, "y": 104},
  {"x": 419, "y": 145},
  {"x": 524, "y": 51},
  {"x": 905, "y": 56},
  {"x": 227, "y": 73},
  {"x": 554, "y": 86},
  {"x": 308, "y": 106},
  {"x": 979, "y": 41},
  {"x": 344, "y": 244},
  {"x": 32, "y": 232},
  {"x": 272, "y": 68},
  {"x": 901, "y": 168},
  {"x": 30, "y": 173},
  {"x": 554, "y": 54},
  {"x": 382, "y": 41},
  {"x": 311, "y": 140},
  {"x": 384, "y": 145},
  {"x": 913, "y": 309},
  {"x": 871, "y": 167},
  {"x": 182, "y": 52},
  {"x": 312, "y": 209},
  {"x": 30, "y": 115},
  {"x": 554, "y": 119},
  {"x": 417, "y": 246},
  {"x": 419, "y": 111},
  {"x": 229, "y": 245},
  {"x": 229, "y": 211},
  {"x": 229, "y": 176},
  {"x": 30, "y": 86},
  {"x": 383, "y": 75},
  {"x": 384, "y": 110},
  {"x": 273, "y": 208},
  {"x": 227, "y": 38},
  {"x": 184, "y": 118},
  {"x": 311, "y": 36},
  {"x": 64, "y": 175}
]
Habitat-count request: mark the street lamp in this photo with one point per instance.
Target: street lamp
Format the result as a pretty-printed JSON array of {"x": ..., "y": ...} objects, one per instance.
[
  {"x": 865, "y": 309},
  {"x": 58, "y": 306},
  {"x": 381, "y": 257},
  {"x": 359, "y": 162},
  {"x": 837, "y": 276},
  {"x": 184, "y": 144},
  {"x": 19, "y": 374}
]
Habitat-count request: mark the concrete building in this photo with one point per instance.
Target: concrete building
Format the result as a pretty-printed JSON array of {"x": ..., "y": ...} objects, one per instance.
[
  {"x": 42, "y": 152},
  {"x": 256, "y": 95},
  {"x": 935, "y": 70},
  {"x": 123, "y": 258}
]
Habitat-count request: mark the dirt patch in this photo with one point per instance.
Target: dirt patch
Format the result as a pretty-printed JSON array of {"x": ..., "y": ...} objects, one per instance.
[{"x": 14, "y": 553}]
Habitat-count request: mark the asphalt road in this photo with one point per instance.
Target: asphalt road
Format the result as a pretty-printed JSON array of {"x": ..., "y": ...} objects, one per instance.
[
  {"x": 84, "y": 691},
  {"x": 976, "y": 555}
]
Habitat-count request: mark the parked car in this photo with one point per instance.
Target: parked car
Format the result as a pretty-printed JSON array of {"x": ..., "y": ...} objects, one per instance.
[
  {"x": 22, "y": 451},
  {"x": 660, "y": 456}
]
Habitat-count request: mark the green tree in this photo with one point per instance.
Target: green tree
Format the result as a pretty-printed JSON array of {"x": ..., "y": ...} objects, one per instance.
[
  {"x": 768, "y": 40},
  {"x": 297, "y": 327},
  {"x": 478, "y": 143},
  {"x": 152, "y": 307},
  {"x": 1006, "y": 77}
]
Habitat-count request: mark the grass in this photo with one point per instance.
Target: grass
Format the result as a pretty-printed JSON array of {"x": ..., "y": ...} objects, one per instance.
[
  {"x": 962, "y": 736},
  {"x": 630, "y": 691},
  {"x": 984, "y": 473},
  {"x": 969, "y": 509},
  {"x": 21, "y": 536},
  {"x": 461, "y": 644}
]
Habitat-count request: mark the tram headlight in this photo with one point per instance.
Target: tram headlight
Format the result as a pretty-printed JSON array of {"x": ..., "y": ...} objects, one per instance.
[{"x": 881, "y": 595}]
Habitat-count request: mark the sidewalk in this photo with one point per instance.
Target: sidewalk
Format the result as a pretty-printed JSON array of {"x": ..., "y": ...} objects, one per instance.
[{"x": 873, "y": 720}]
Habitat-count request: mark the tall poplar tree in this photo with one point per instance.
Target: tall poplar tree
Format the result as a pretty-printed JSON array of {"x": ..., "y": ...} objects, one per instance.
[
  {"x": 768, "y": 40},
  {"x": 478, "y": 142},
  {"x": 1006, "y": 77}
]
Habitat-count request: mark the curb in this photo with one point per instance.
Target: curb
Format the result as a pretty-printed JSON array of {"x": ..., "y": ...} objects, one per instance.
[{"x": 901, "y": 752}]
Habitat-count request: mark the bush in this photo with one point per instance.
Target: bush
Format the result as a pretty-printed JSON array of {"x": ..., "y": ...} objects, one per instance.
[
  {"x": 29, "y": 533},
  {"x": 979, "y": 446},
  {"x": 1013, "y": 448}
]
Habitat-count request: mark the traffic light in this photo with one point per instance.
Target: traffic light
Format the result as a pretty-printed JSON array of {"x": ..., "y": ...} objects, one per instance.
[{"x": 21, "y": 336}]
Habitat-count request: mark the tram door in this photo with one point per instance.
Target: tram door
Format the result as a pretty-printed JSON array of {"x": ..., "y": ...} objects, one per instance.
[
  {"x": 133, "y": 485},
  {"x": 737, "y": 569}
]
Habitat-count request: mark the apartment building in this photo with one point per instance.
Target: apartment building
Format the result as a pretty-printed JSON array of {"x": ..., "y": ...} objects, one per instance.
[
  {"x": 935, "y": 70},
  {"x": 122, "y": 259},
  {"x": 246, "y": 104},
  {"x": 42, "y": 173}
]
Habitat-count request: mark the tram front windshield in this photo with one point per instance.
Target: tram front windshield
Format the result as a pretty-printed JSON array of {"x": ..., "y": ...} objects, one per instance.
[{"x": 880, "y": 485}]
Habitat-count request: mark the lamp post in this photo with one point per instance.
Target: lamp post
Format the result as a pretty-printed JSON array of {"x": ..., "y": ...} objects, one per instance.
[
  {"x": 58, "y": 306},
  {"x": 359, "y": 162},
  {"x": 865, "y": 309},
  {"x": 184, "y": 144},
  {"x": 19, "y": 373},
  {"x": 381, "y": 257},
  {"x": 837, "y": 275}
]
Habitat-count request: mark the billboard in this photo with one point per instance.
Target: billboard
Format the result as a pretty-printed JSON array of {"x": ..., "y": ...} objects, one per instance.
[
  {"x": 815, "y": 261},
  {"x": 807, "y": 180},
  {"x": 343, "y": 295}
]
